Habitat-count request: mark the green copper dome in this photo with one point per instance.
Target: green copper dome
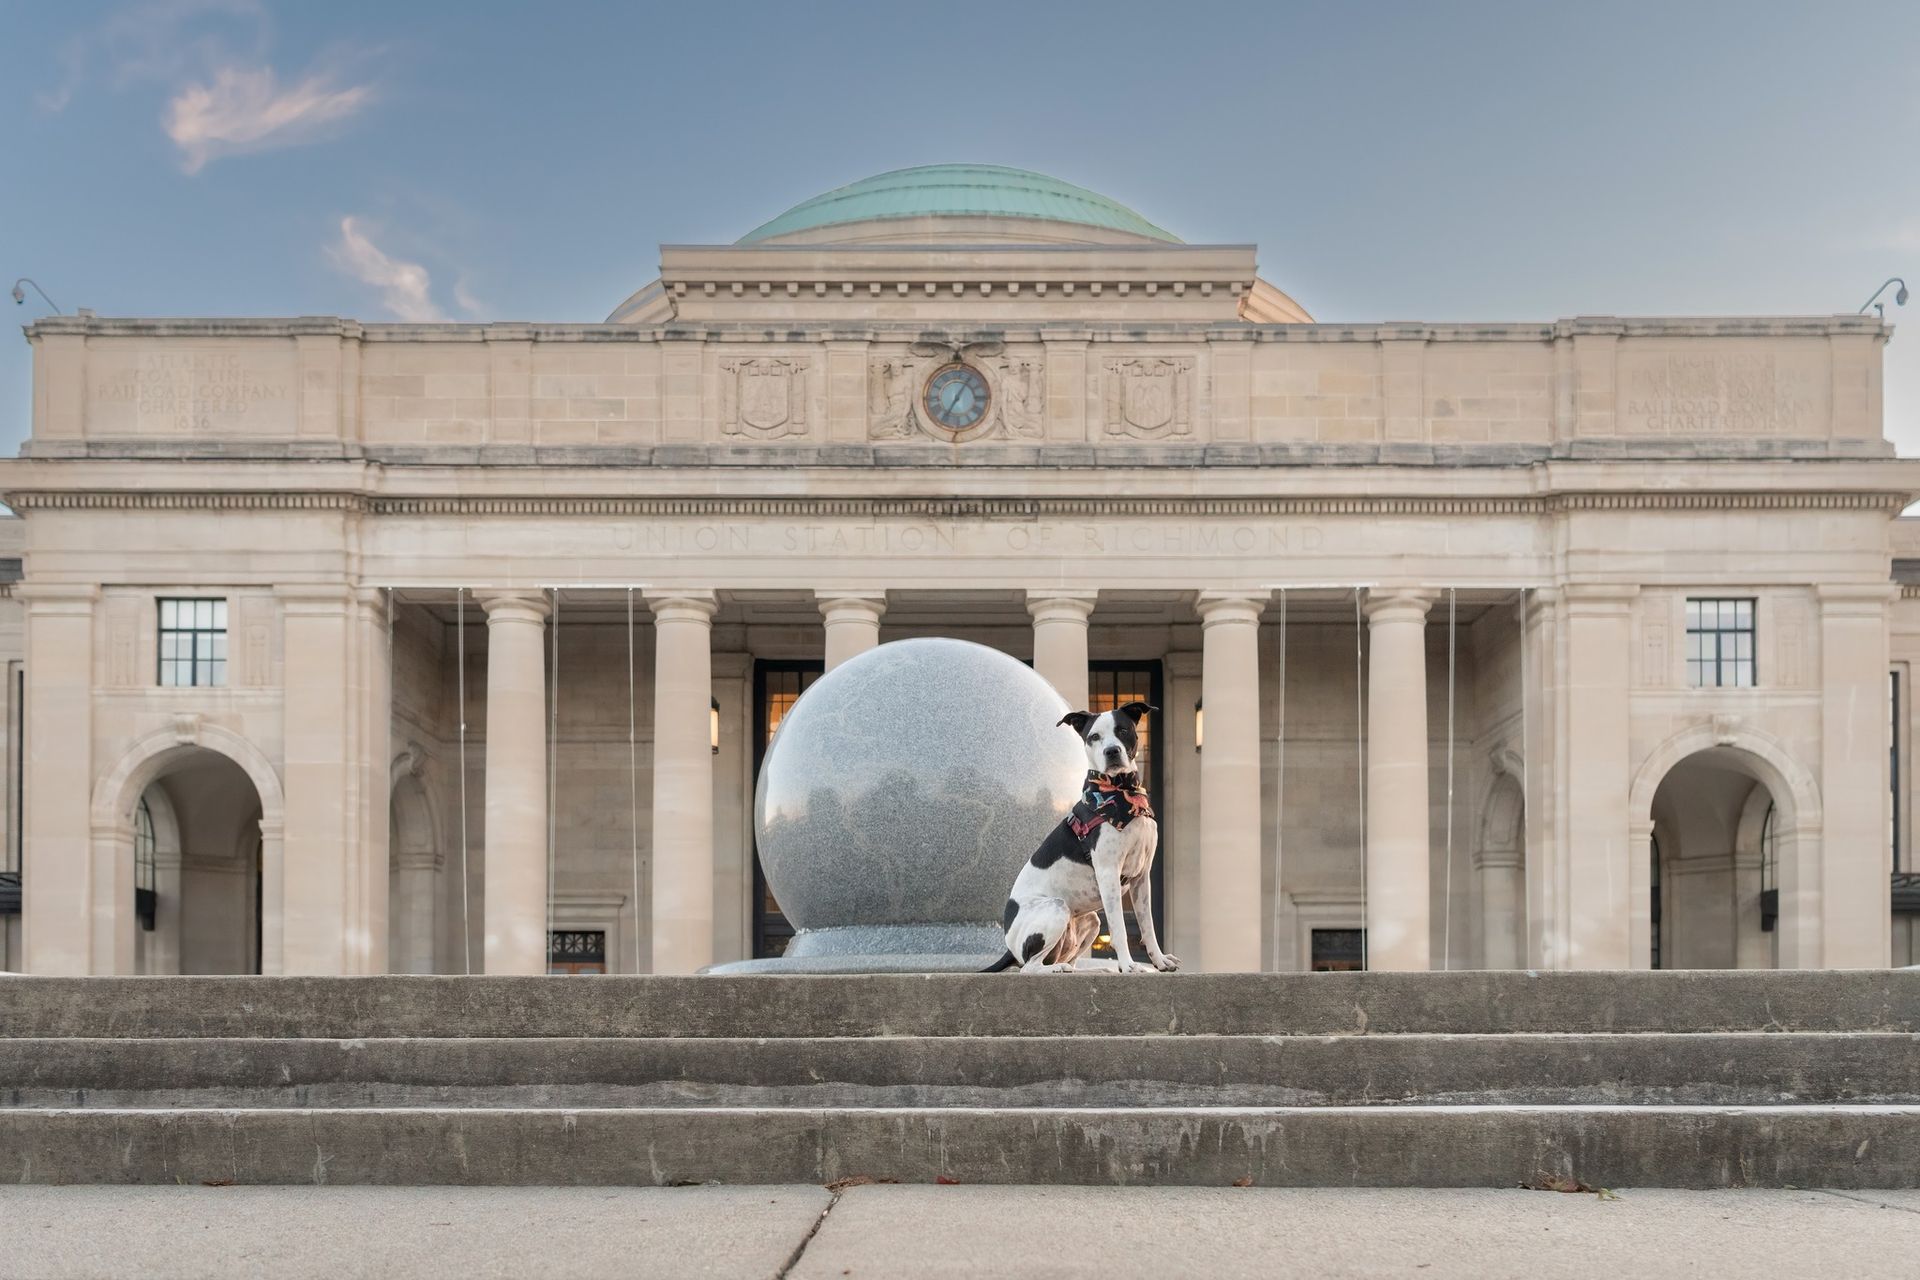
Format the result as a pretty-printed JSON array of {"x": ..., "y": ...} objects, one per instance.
[{"x": 959, "y": 190}]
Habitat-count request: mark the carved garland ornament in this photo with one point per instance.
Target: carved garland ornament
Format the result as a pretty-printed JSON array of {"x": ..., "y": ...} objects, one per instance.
[{"x": 763, "y": 398}]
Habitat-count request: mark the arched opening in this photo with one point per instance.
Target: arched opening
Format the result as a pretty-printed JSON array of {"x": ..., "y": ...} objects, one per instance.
[
  {"x": 195, "y": 844},
  {"x": 1714, "y": 863},
  {"x": 413, "y": 874},
  {"x": 1500, "y": 874}
]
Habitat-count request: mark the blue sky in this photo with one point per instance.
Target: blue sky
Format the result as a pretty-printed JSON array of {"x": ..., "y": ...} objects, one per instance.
[{"x": 1422, "y": 161}]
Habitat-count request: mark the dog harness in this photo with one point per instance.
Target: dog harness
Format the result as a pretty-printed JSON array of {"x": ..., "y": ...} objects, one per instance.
[{"x": 1115, "y": 800}]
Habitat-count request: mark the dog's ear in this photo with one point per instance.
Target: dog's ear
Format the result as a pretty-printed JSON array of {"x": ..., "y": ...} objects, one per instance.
[
  {"x": 1134, "y": 710},
  {"x": 1078, "y": 719}
]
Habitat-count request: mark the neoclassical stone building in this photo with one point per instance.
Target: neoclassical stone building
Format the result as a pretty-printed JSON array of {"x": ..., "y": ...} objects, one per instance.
[{"x": 353, "y": 647}]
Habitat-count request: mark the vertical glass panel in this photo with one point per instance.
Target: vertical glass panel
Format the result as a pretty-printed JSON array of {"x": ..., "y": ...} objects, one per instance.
[{"x": 220, "y": 614}]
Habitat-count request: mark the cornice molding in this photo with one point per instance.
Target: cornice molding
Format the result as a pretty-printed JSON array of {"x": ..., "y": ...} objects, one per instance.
[
  {"x": 807, "y": 330},
  {"x": 952, "y": 508},
  {"x": 187, "y": 501}
]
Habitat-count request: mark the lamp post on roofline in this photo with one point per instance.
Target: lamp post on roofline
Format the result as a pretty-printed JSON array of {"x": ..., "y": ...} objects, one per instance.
[
  {"x": 20, "y": 295},
  {"x": 1880, "y": 308}
]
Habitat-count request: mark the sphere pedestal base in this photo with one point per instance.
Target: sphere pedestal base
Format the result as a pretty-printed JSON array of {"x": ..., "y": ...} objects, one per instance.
[{"x": 888, "y": 948}]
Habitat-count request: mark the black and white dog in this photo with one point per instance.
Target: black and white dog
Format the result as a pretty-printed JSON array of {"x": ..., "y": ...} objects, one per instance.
[{"x": 1099, "y": 857}]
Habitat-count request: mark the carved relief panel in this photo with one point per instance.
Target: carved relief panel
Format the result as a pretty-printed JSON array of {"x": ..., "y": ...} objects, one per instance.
[
  {"x": 1148, "y": 397},
  {"x": 763, "y": 397}
]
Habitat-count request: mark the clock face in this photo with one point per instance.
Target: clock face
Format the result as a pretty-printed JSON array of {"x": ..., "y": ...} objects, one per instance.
[{"x": 957, "y": 397}]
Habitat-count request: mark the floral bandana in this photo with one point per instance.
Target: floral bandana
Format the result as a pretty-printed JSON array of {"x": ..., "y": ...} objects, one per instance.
[{"x": 1117, "y": 800}]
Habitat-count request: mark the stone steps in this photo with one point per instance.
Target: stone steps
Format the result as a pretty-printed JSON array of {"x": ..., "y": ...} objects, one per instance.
[
  {"x": 1640, "y": 1146},
  {"x": 963, "y": 1005},
  {"x": 1531, "y": 1069},
  {"x": 1476, "y": 1079}
]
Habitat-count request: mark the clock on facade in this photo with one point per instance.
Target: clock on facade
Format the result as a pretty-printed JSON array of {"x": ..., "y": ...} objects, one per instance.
[{"x": 957, "y": 397}]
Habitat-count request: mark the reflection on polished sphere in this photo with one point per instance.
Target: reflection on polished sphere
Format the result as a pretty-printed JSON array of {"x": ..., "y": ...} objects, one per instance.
[{"x": 900, "y": 797}]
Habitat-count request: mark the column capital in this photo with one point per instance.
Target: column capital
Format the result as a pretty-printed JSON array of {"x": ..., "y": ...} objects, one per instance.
[
  {"x": 852, "y": 606},
  {"x": 688, "y": 604},
  {"x": 1061, "y": 606},
  {"x": 1398, "y": 604},
  {"x": 57, "y": 597},
  {"x": 314, "y": 598},
  {"x": 1216, "y": 607},
  {"x": 1599, "y": 597},
  {"x": 1855, "y": 599},
  {"x": 518, "y": 604}
]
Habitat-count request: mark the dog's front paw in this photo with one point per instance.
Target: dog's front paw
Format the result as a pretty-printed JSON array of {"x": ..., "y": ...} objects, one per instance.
[
  {"x": 1166, "y": 963},
  {"x": 1129, "y": 966}
]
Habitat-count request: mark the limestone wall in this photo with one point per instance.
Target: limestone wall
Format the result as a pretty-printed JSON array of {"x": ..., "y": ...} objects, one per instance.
[{"x": 1412, "y": 392}]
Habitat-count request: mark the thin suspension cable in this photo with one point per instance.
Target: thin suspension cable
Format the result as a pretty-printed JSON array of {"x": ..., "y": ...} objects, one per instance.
[
  {"x": 1360, "y": 753},
  {"x": 388, "y": 711},
  {"x": 1446, "y": 945},
  {"x": 1280, "y": 757},
  {"x": 460, "y": 677},
  {"x": 553, "y": 765},
  {"x": 633, "y": 777}
]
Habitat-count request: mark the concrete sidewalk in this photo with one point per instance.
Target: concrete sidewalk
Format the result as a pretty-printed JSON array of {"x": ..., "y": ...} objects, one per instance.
[{"x": 933, "y": 1231}]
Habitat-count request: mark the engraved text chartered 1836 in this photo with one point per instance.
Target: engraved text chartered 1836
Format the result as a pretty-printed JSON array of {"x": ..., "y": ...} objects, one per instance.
[
  {"x": 1736, "y": 393},
  {"x": 195, "y": 391}
]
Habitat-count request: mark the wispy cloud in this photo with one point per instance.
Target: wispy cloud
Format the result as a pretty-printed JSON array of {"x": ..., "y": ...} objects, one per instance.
[
  {"x": 247, "y": 110},
  {"x": 211, "y": 57},
  {"x": 464, "y": 299},
  {"x": 158, "y": 42},
  {"x": 405, "y": 287}
]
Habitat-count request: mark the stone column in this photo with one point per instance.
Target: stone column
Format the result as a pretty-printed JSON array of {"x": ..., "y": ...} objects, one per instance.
[
  {"x": 1854, "y": 863},
  {"x": 853, "y": 622},
  {"x": 1399, "y": 854},
  {"x": 516, "y": 782},
  {"x": 1230, "y": 909},
  {"x": 682, "y": 780},
  {"x": 1060, "y": 640},
  {"x": 72, "y": 923},
  {"x": 1607, "y": 892}
]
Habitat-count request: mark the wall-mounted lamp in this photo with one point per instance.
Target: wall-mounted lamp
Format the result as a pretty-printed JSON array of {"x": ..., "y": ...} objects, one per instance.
[
  {"x": 1880, "y": 309},
  {"x": 1199, "y": 725},
  {"x": 713, "y": 724}
]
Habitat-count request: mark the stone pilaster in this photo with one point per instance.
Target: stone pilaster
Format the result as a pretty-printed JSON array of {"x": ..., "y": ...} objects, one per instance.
[
  {"x": 1399, "y": 854},
  {"x": 1855, "y": 859},
  {"x": 1501, "y": 943},
  {"x": 1230, "y": 900},
  {"x": 852, "y": 622},
  {"x": 682, "y": 780},
  {"x": 1606, "y": 893},
  {"x": 1060, "y": 640},
  {"x": 516, "y": 782},
  {"x": 315, "y": 898},
  {"x": 74, "y": 920}
]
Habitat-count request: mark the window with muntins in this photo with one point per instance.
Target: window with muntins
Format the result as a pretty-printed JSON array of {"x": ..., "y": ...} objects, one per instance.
[
  {"x": 193, "y": 643},
  {"x": 1720, "y": 644}
]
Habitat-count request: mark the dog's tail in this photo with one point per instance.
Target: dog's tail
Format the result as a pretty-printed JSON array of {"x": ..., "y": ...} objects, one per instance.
[{"x": 1006, "y": 961}]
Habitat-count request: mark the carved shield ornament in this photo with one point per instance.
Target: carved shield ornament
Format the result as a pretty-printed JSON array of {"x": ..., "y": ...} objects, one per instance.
[{"x": 763, "y": 397}]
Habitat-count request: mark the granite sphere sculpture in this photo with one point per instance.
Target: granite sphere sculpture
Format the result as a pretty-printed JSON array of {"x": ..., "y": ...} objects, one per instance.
[{"x": 898, "y": 800}]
